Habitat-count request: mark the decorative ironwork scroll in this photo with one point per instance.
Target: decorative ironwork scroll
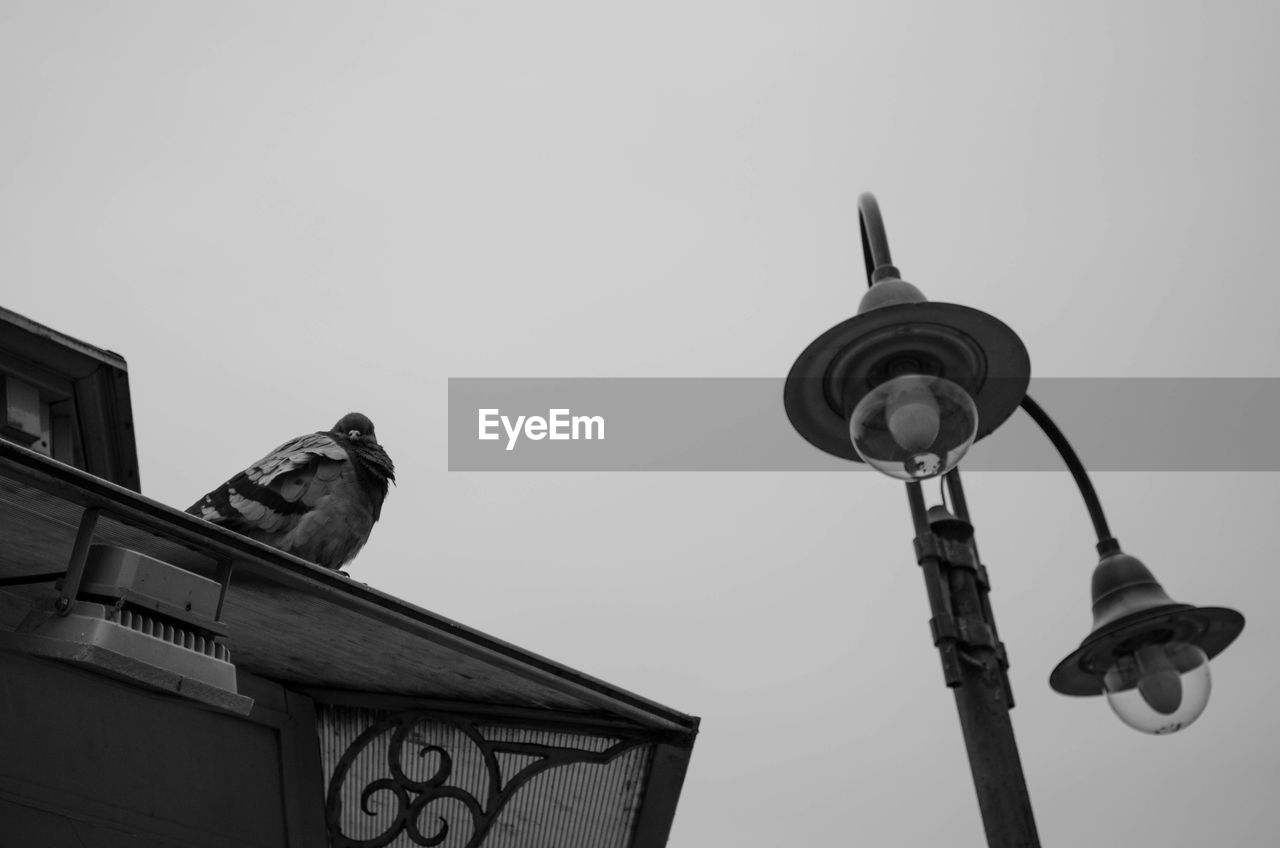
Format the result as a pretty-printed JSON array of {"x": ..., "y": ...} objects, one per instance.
[{"x": 418, "y": 773}]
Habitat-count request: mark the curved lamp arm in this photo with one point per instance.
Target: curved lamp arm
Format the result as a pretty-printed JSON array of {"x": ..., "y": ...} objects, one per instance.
[
  {"x": 1107, "y": 543},
  {"x": 875, "y": 244}
]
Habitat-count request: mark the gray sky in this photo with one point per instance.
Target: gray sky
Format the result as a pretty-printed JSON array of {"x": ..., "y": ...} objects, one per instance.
[{"x": 282, "y": 212}]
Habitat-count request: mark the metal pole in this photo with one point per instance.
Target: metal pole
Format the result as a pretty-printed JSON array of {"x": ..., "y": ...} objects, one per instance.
[
  {"x": 973, "y": 664},
  {"x": 964, "y": 630}
]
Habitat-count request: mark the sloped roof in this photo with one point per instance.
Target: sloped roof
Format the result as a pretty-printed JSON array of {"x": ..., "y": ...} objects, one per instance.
[
  {"x": 97, "y": 380},
  {"x": 295, "y": 622},
  {"x": 359, "y": 652}
]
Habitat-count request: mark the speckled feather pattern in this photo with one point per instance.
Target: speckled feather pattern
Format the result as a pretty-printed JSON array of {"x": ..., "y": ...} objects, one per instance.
[{"x": 316, "y": 497}]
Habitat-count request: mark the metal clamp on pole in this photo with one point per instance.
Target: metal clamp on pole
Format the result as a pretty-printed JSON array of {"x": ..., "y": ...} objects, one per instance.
[
  {"x": 966, "y": 631},
  {"x": 929, "y": 555},
  {"x": 955, "y": 553},
  {"x": 982, "y": 693},
  {"x": 938, "y": 556}
]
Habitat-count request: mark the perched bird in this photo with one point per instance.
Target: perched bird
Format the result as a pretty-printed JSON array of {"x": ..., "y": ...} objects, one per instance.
[{"x": 316, "y": 497}]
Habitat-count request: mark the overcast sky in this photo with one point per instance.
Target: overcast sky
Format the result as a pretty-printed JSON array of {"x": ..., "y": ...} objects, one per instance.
[{"x": 279, "y": 213}]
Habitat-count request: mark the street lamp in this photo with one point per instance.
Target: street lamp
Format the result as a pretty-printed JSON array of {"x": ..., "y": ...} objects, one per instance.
[{"x": 907, "y": 386}]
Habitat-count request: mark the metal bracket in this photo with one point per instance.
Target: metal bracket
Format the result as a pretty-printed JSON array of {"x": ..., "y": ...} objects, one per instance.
[
  {"x": 225, "y": 567},
  {"x": 377, "y": 758},
  {"x": 949, "y": 653},
  {"x": 74, "y": 575},
  {"x": 953, "y": 635},
  {"x": 28, "y": 579},
  {"x": 969, "y": 632},
  {"x": 980, "y": 575},
  {"x": 927, "y": 547},
  {"x": 79, "y": 556},
  {"x": 950, "y": 553}
]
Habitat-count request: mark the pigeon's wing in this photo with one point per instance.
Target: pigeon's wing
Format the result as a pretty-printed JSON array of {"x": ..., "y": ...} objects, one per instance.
[{"x": 273, "y": 496}]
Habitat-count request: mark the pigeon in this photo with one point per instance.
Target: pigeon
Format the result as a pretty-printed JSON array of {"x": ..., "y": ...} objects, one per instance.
[{"x": 316, "y": 497}]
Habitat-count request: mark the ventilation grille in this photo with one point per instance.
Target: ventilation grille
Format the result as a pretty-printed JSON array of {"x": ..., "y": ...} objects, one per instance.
[{"x": 166, "y": 632}]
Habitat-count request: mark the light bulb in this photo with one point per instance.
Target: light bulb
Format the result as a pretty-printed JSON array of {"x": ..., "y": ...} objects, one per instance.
[
  {"x": 1159, "y": 688},
  {"x": 914, "y": 426},
  {"x": 913, "y": 419},
  {"x": 1159, "y": 683}
]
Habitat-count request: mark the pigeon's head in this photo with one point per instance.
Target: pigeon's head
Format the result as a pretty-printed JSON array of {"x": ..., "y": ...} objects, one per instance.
[{"x": 356, "y": 427}]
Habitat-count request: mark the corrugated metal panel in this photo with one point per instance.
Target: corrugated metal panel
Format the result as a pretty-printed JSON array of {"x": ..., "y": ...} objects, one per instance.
[
  {"x": 577, "y": 804},
  {"x": 580, "y": 805}
]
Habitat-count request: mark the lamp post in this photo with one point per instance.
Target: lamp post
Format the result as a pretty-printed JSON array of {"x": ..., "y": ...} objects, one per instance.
[{"x": 907, "y": 386}]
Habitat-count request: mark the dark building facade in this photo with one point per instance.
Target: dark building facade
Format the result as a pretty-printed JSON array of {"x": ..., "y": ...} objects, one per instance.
[{"x": 165, "y": 682}]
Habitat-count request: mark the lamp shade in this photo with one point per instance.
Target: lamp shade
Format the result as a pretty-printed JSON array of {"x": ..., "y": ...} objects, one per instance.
[
  {"x": 1148, "y": 653},
  {"x": 898, "y": 332}
]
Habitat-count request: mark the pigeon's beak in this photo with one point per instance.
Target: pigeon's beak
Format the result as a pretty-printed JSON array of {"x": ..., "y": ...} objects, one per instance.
[{"x": 353, "y": 435}]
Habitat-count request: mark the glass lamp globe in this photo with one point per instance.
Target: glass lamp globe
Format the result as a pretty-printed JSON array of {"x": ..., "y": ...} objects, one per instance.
[
  {"x": 1159, "y": 688},
  {"x": 914, "y": 426}
]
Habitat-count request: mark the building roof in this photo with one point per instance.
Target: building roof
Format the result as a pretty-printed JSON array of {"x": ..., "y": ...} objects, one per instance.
[
  {"x": 93, "y": 382},
  {"x": 297, "y": 623},
  {"x": 610, "y": 763}
]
